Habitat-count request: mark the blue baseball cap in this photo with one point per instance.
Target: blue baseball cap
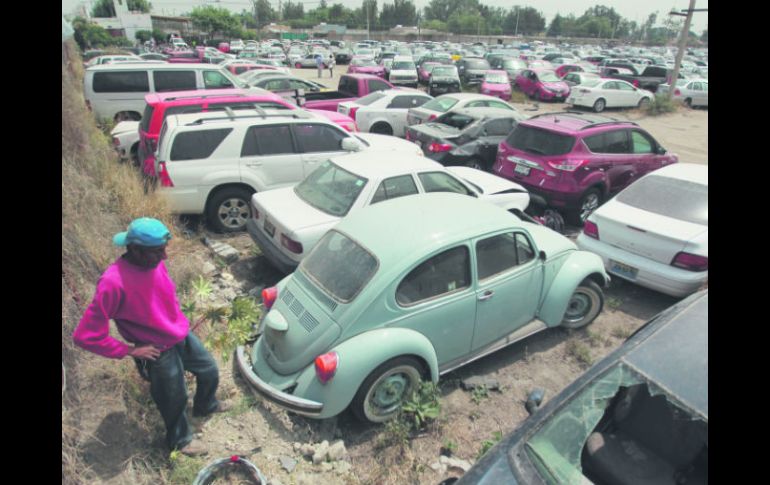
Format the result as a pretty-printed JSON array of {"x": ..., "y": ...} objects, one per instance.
[{"x": 144, "y": 231}]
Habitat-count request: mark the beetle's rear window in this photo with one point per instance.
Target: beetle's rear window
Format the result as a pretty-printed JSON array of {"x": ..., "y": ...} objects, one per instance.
[{"x": 339, "y": 266}]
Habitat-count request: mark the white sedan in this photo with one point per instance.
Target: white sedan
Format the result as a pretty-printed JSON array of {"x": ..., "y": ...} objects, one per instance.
[
  {"x": 609, "y": 93},
  {"x": 288, "y": 222},
  {"x": 384, "y": 112},
  {"x": 694, "y": 92},
  {"x": 453, "y": 102},
  {"x": 655, "y": 232}
]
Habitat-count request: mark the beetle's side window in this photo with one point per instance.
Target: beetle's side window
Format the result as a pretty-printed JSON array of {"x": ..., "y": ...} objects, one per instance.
[
  {"x": 444, "y": 273},
  {"x": 495, "y": 254},
  {"x": 524, "y": 249}
]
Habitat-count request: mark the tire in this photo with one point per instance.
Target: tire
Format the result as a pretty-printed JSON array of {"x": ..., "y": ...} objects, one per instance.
[
  {"x": 381, "y": 394},
  {"x": 229, "y": 209},
  {"x": 589, "y": 202},
  {"x": 688, "y": 103},
  {"x": 381, "y": 129},
  {"x": 584, "y": 305},
  {"x": 644, "y": 103},
  {"x": 599, "y": 105},
  {"x": 134, "y": 156}
]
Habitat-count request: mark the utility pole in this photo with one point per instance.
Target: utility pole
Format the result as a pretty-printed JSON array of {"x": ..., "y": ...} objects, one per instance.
[
  {"x": 682, "y": 44},
  {"x": 518, "y": 11},
  {"x": 368, "y": 34}
]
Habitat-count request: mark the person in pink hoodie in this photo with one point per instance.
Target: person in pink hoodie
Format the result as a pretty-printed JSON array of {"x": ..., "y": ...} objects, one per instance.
[{"x": 137, "y": 292}]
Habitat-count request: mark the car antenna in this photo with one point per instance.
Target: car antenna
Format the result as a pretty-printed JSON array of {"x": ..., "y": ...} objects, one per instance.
[{"x": 230, "y": 113}]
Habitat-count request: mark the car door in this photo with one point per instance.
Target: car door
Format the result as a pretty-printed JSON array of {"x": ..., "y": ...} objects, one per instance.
[
  {"x": 398, "y": 108},
  {"x": 438, "y": 295},
  {"x": 270, "y": 157},
  {"x": 611, "y": 93},
  {"x": 613, "y": 157},
  {"x": 318, "y": 143},
  {"x": 509, "y": 281},
  {"x": 645, "y": 150},
  {"x": 627, "y": 95}
]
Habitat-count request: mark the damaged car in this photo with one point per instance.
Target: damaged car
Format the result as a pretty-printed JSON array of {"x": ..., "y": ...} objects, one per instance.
[{"x": 639, "y": 416}]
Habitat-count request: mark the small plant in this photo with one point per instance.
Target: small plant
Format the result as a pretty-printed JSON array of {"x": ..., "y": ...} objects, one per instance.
[
  {"x": 580, "y": 352},
  {"x": 396, "y": 432},
  {"x": 621, "y": 333},
  {"x": 422, "y": 405},
  {"x": 201, "y": 287},
  {"x": 448, "y": 448},
  {"x": 614, "y": 303},
  {"x": 220, "y": 262},
  {"x": 486, "y": 445},
  {"x": 479, "y": 393},
  {"x": 184, "y": 469},
  {"x": 238, "y": 322},
  {"x": 661, "y": 104},
  {"x": 595, "y": 338},
  {"x": 518, "y": 96}
]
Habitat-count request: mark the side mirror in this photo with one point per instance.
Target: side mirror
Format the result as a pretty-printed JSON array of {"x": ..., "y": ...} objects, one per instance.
[
  {"x": 350, "y": 145},
  {"x": 661, "y": 151},
  {"x": 542, "y": 255},
  {"x": 534, "y": 400}
]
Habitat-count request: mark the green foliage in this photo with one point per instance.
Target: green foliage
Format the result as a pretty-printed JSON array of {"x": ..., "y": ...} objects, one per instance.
[
  {"x": 105, "y": 8},
  {"x": 143, "y": 35},
  {"x": 621, "y": 333},
  {"x": 434, "y": 25},
  {"x": 184, "y": 469},
  {"x": 215, "y": 21},
  {"x": 423, "y": 405},
  {"x": 580, "y": 352},
  {"x": 293, "y": 10},
  {"x": 450, "y": 446},
  {"x": 396, "y": 433},
  {"x": 201, "y": 287},
  {"x": 479, "y": 393},
  {"x": 91, "y": 36},
  {"x": 232, "y": 326},
  {"x": 401, "y": 12},
  {"x": 486, "y": 445},
  {"x": 661, "y": 104}
]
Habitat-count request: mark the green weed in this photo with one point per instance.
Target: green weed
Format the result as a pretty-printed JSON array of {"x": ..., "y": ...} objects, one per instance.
[
  {"x": 184, "y": 469},
  {"x": 486, "y": 445},
  {"x": 479, "y": 393},
  {"x": 661, "y": 104},
  {"x": 580, "y": 352},
  {"x": 423, "y": 405},
  {"x": 621, "y": 333}
]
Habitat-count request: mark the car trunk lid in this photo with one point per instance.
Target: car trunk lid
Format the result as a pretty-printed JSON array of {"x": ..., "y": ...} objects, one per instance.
[
  {"x": 650, "y": 235},
  {"x": 427, "y": 134}
]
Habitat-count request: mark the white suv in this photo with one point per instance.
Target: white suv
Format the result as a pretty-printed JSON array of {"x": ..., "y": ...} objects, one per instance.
[{"x": 211, "y": 163}]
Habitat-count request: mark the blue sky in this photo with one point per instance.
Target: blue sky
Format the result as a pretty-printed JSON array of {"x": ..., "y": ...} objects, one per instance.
[{"x": 631, "y": 10}]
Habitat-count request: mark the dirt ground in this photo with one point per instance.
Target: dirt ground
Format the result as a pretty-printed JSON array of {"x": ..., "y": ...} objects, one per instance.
[{"x": 123, "y": 434}]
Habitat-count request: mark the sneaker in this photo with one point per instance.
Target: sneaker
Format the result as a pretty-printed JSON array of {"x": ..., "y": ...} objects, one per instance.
[{"x": 194, "y": 448}]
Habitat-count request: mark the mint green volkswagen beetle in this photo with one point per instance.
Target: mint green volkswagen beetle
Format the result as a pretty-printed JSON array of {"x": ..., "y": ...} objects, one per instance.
[{"x": 409, "y": 289}]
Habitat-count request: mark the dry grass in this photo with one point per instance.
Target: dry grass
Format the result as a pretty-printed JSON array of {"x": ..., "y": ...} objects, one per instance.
[{"x": 99, "y": 198}]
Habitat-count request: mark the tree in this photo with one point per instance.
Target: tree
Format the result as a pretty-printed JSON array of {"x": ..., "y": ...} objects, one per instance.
[
  {"x": 105, "y": 8},
  {"x": 89, "y": 35},
  {"x": 705, "y": 36},
  {"x": 143, "y": 35},
  {"x": 401, "y": 12},
  {"x": 293, "y": 10},
  {"x": 523, "y": 20},
  {"x": 555, "y": 29},
  {"x": 217, "y": 22}
]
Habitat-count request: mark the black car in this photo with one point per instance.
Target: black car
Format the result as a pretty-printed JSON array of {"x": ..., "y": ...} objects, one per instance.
[
  {"x": 343, "y": 56},
  {"x": 443, "y": 79},
  {"x": 639, "y": 416},
  {"x": 472, "y": 69},
  {"x": 467, "y": 136}
]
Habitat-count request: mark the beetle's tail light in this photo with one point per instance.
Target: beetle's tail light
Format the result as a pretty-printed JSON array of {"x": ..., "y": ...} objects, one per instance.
[
  {"x": 690, "y": 262},
  {"x": 591, "y": 230},
  {"x": 326, "y": 366},
  {"x": 568, "y": 165},
  {"x": 677, "y": 92},
  {"x": 269, "y": 295}
]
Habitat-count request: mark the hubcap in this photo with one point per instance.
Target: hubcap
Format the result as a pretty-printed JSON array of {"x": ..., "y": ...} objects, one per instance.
[
  {"x": 389, "y": 391},
  {"x": 578, "y": 307},
  {"x": 590, "y": 204},
  {"x": 233, "y": 213}
]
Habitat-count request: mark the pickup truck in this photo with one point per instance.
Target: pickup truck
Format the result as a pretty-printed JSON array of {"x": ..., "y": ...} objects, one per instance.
[
  {"x": 350, "y": 88},
  {"x": 649, "y": 78}
]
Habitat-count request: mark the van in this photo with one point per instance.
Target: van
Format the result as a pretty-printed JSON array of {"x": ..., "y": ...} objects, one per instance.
[{"x": 116, "y": 91}]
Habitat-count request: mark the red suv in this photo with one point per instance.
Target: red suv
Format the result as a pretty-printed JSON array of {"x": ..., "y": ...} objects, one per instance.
[
  {"x": 578, "y": 160},
  {"x": 160, "y": 105}
]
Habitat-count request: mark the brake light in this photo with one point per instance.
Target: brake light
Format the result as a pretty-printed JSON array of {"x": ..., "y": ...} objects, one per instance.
[
  {"x": 408, "y": 138},
  {"x": 568, "y": 165},
  {"x": 591, "y": 230},
  {"x": 352, "y": 112},
  {"x": 677, "y": 92},
  {"x": 432, "y": 117},
  {"x": 439, "y": 147},
  {"x": 165, "y": 179},
  {"x": 326, "y": 366},
  {"x": 636, "y": 83},
  {"x": 115, "y": 141},
  {"x": 269, "y": 295},
  {"x": 290, "y": 244},
  {"x": 690, "y": 262}
]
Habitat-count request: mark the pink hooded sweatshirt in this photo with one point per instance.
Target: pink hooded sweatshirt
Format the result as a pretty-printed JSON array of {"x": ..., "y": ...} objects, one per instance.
[{"x": 143, "y": 304}]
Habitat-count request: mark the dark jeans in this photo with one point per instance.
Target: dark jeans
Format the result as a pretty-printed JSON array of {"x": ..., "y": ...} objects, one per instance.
[{"x": 169, "y": 391}]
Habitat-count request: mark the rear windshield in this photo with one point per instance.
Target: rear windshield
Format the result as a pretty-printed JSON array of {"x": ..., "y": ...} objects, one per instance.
[
  {"x": 331, "y": 189},
  {"x": 440, "y": 104},
  {"x": 403, "y": 66},
  {"x": 339, "y": 266},
  {"x": 680, "y": 199},
  {"x": 146, "y": 118},
  {"x": 539, "y": 142},
  {"x": 370, "y": 98},
  {"x": 456, "y": 120}
]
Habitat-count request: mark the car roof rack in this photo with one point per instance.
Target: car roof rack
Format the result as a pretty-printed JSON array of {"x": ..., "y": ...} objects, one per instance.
[
  {"x": 592, "y": 119},
  {"x": 207, "y": 96},
  {"x": 246, "y": 114}
]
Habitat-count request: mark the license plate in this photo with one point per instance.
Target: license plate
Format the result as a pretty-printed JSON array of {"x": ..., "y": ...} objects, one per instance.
[
  {"x": 521, "y": 169},
  {"x": 623, "y": 270},
  {"x": 269, "y": 228}
]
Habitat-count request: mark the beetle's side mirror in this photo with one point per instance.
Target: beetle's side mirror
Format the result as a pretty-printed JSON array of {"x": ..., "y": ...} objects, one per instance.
[{"x": 542, "y": 255}]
